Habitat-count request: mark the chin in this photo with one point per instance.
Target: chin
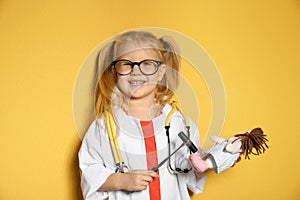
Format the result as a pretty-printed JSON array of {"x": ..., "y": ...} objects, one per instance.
[{"x": 137, "y": 96}]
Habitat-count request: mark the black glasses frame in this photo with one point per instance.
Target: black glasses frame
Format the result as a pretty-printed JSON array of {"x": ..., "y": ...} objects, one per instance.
[{"x": 158, "y": 63}]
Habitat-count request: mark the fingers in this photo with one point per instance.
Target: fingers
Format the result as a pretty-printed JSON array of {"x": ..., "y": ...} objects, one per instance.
[
  {"x": 147, "y": 178},
  {"x": 146, "y": 173},
  {"x": 152, "y": 174},
  {"x": 139, "y": 179}
]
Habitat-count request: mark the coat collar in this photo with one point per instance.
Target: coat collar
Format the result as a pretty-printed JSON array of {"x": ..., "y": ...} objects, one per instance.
[{"x": 126, "y": 124}]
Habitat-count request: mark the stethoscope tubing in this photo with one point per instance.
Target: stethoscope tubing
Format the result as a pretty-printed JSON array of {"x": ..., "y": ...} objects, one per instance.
[
  {"x": 167, "y": 158},
  {"x": 109, "y": 121}
]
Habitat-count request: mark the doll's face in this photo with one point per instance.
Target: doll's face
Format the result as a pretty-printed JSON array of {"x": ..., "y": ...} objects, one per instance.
[{"x": 136, "y": 85}]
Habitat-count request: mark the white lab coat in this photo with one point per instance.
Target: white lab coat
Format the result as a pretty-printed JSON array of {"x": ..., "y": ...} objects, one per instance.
[{"x": 97, "y": 162}]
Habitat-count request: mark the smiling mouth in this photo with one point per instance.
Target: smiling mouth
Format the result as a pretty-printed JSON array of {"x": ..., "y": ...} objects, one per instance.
[{"x": 136, "y": 83}]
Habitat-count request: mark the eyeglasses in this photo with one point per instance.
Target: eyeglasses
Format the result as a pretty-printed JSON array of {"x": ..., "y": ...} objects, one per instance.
[{"x": 147, "y": 67}]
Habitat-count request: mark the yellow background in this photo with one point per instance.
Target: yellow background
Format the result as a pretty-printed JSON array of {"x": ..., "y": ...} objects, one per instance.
[{"x": 255, "y": 44}]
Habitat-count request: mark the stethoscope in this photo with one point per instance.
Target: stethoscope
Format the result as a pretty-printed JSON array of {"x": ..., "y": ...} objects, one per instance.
[{"x": 120, "y": 164}]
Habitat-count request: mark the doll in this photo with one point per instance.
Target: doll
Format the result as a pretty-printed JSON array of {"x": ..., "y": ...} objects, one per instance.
[{"x": 251, "y": 142}]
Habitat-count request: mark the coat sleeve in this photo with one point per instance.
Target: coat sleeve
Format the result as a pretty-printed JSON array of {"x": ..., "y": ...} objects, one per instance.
[
  {"x": 222, "y": 158},
  {"x": 94, "y": 172}
]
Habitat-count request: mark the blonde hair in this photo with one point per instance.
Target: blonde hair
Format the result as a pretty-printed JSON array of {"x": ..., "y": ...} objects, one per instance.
[{"x": 108, "y": 96}]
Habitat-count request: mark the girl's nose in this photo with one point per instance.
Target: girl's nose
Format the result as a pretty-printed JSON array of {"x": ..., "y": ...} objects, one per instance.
[{"x": 135, "y": 70}]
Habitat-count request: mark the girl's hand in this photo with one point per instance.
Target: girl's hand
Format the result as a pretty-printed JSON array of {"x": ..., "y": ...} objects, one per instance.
[
  {"x": 198, "y": 163},
  {"x": 137, "y": 180}
]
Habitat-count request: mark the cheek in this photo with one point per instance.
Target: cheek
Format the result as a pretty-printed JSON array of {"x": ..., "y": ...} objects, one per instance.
[
  {"x": 121, "y": 83},
  {"x": 154, "y": 80}
]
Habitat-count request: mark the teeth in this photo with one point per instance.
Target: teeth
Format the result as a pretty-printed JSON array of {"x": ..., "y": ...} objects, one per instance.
[{"x": 135, "y": 83}]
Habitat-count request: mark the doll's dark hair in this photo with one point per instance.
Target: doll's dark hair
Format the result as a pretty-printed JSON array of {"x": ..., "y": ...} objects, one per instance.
[{"x": 253, "y": 140}]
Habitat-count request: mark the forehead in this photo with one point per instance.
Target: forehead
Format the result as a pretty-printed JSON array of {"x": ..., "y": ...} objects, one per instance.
[{"x": 135, "y": 51}]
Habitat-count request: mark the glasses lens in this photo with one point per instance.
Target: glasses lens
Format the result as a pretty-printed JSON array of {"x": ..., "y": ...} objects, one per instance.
[
  {"x": 123, "y": 67},
  {"x": 149, "y": 67}
]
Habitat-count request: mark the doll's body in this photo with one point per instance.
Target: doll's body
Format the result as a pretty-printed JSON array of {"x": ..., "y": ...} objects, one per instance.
[{"x": 237, "y": 145}]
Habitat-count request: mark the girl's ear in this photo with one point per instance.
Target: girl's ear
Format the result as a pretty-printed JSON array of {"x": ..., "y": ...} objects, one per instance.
[
  {"x": 112, "y": 69},
  {"x": 161, "y": 72}
]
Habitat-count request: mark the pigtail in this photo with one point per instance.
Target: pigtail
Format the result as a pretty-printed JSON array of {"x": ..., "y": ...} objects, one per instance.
[
  {"x": 171, "y": 58},
  {"x": 105, "y": 57},
  {"x": 171, "y": 53},
  {"x": 254, "y": 139},
  {"x": 105, "y": 79}
]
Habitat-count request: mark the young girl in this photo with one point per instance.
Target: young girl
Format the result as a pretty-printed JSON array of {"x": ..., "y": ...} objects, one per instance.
[{"x": 137, "y": 75}]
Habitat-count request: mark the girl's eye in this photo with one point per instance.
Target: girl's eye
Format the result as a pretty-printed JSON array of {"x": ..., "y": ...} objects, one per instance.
[
  {"x": 125, "y": 63},
  {"x": 147, "y": 63}
]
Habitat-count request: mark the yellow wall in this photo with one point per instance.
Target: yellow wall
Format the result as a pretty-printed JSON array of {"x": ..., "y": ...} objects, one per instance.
[{"x": 255, "y": 44}]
